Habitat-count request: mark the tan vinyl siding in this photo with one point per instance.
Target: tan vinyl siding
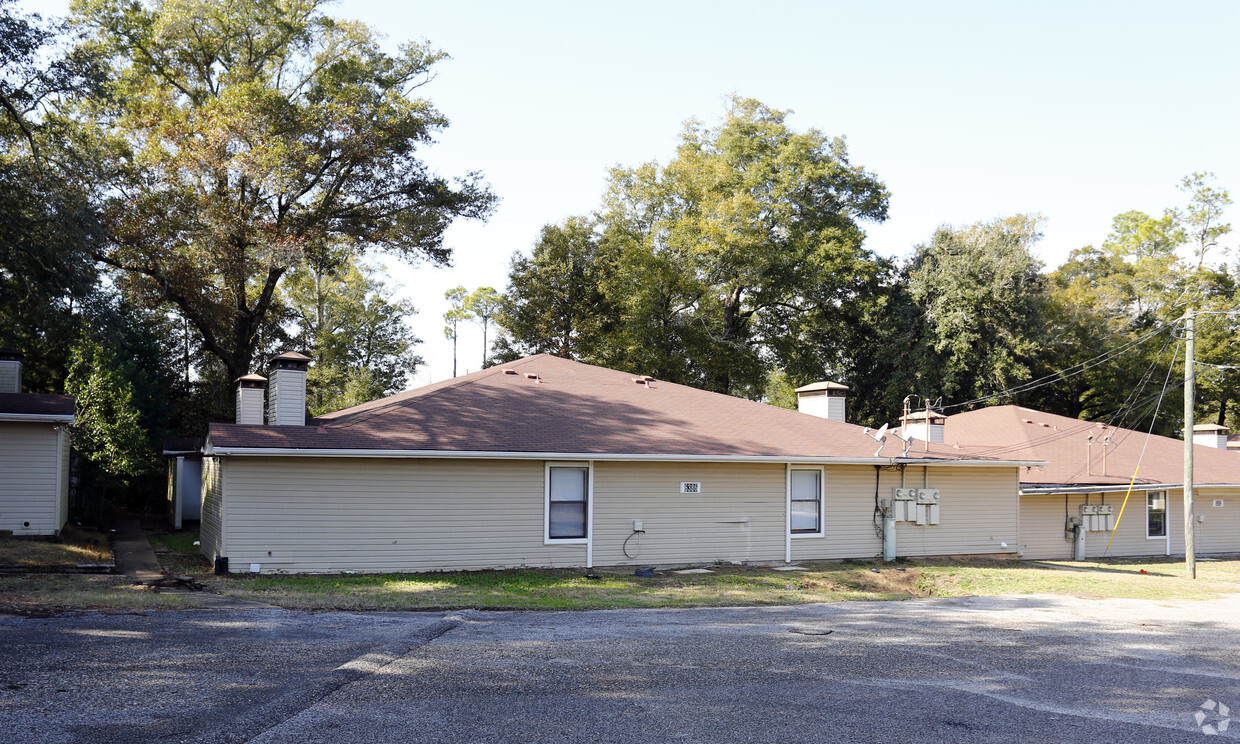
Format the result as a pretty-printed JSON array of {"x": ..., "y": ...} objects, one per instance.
[
  {"x": 30, "y": 478},
  {"x": 977, "y": 513},
  {"x": 336, "y": 514},
  {"x": 737, "y": 516},
  {"x": 210, "y": 531},
  {"x": 63, "y": 515},
  {"x": 1220, "y": 530},
  {"x": 1043, "y": 520},
  {"x": 847, "y": 516}
]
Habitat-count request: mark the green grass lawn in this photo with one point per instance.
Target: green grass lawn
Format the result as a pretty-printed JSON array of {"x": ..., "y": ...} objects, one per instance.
[
  {"x": 572, "y": 589},
  {"x": 563, "y": 589}
]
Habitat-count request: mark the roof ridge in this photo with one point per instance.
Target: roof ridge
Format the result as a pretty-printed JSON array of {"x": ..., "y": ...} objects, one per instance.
[{"x": 404, "y": 401}]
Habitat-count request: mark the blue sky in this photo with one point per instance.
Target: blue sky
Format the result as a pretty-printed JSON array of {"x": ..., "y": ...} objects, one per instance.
[{"x": 967, "y": 111}]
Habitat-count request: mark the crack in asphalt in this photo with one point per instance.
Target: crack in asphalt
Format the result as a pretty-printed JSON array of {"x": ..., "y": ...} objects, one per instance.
[{"x": 296, "y": 702}]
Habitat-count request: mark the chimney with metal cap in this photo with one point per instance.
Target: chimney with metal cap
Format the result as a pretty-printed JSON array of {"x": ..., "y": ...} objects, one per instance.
[
  {"x": 286, "y": 399},
  {"x": 1211, "y": 435},
  {"x": 10, "y": 370},
  {"x": 250, "y": 403},
  {"x": 925, "y": 426},
  {"x": 823, "y": 399}
]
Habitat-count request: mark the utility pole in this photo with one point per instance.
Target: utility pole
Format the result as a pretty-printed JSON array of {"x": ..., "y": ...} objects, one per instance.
[{"x": 1190, "y": 395}]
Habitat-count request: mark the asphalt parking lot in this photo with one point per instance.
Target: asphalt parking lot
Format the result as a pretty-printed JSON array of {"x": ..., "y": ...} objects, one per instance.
[{"x": 973, "y": 670}]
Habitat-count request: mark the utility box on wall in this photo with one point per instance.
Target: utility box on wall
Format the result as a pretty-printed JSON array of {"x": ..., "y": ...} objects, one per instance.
[
  {"x": 917, "y": 505},
  {"x": 1098, "y": 517}
]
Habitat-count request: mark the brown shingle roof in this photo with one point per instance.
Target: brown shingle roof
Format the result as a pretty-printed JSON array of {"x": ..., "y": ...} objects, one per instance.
[
  {"x": 547, "y": 404},
  {"x": 36, "y": 404},
  {"x": 1027, "y": 434}
]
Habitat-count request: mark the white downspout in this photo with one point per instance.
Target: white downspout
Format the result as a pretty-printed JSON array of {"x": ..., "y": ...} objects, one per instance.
[
  {"x": 590, "y": 526},
  {"x": 177, "y": 490},
  {"x": 62, "y": 514},
  {"x": 788, "y": 512}
]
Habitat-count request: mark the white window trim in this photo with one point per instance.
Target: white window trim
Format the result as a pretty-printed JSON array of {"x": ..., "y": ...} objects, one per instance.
[
  {"x": 1166, "y": 516},
  {"x": 587, "y": 540},
  {"x": 822, "y": 502}
]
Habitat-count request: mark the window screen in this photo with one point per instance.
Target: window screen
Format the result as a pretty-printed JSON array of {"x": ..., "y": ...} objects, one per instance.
[
  {"x": 806, "y": 501},
  {"x": 568, "y": 503},
  {"x": 1156, "y": 514}
]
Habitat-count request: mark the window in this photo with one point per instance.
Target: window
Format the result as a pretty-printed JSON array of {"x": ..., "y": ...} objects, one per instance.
[
  {"x": 1156, "y": 514},
  {"x": 805, "y": 502},
  {"x": 568, "y": 502}
]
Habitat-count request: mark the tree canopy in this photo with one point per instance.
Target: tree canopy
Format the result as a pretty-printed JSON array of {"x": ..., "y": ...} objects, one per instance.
[
  {"x": 236, "y": 141},
  {"x": 701, "y": 270}
]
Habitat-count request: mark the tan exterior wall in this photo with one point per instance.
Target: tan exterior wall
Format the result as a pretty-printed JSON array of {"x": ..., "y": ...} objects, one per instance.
[
  {"x": 335, "y": 514},
  {"x": 1219, "y": 530},
  {"x": 737, "y": 517},
  {"x": 1043, "y": 518},
  {"x": 63, "y": 515},
  {"x": 31, "y": 484},
  {"x": 977, "y": 513},
  {"x": 210, "y": 531}
]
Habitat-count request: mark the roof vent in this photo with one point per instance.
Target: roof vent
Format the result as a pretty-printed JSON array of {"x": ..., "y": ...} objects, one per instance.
[{"x": 510, "y": 371}]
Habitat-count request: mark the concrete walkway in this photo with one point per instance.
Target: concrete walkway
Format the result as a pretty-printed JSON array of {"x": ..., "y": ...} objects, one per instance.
[
  {"x": 136, "y": 559},
  {"x": 134, "y": 556}
]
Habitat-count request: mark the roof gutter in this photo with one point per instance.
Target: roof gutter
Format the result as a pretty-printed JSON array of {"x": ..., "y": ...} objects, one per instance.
[
  {"x": 53, "y": 418},
  {"x": 1116, "y": 488},
  {"x": 211, "y": 450}
]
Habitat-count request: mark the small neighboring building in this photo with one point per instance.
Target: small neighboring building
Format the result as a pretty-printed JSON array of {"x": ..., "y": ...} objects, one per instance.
[
  {"x": 34, "y": 454},
  {"x": 553, "y": 463},
  {"x": 1089, "y": 470},
  {"x": 184, "y": 480}
]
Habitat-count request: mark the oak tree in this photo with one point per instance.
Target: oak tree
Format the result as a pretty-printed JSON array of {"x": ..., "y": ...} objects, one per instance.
[{"x": 239, "y": 140}]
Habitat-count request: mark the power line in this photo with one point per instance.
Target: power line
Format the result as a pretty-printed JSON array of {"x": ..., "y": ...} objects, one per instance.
[{"x": 1063, "y": 374}]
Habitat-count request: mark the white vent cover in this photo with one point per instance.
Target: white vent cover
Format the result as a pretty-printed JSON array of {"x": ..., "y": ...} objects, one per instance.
[
  {"x": 1218, "y": 502},
  {"x": 690, "y": 487}
]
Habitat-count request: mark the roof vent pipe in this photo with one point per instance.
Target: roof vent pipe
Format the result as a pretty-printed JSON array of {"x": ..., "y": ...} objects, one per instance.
[
  {"x": 823, "y": 399},
  {"x": 251, "y": 389},
  {"x": 286, "y": 400},
  {"x": 10, "y": 370}
]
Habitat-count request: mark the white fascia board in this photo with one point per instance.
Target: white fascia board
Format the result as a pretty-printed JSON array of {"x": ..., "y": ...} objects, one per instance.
[
  {"x": 38, "y": 417},
  {"x": 1045, "y": 490},
  {"x": 610, "y": 457}
]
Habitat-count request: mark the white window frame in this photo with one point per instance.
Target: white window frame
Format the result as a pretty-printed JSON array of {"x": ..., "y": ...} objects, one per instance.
[
  {"x": 587, "y": 466},
  {"x": 1166, "y": 515},
  {"x": 822, "y": 501}
]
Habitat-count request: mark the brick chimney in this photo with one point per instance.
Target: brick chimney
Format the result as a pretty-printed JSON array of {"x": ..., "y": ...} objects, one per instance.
[
  {"x": 823, "y": 399},
  {"x": 10, "y": 370},
  {"x": 286, "y": 399},
  {"x": 251, "y": 389}
]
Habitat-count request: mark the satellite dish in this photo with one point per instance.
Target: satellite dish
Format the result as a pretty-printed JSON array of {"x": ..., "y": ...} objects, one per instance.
[
  {"x": 908, "y": 442},
  {"x": 879, "y": 436}
]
